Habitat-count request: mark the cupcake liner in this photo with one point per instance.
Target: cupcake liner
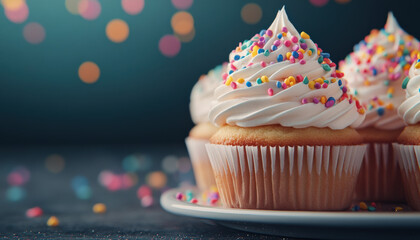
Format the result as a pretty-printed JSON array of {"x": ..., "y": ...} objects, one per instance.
[
  {"x": 201, "y": 163},
  {"x": 409, "y": 162},
  {"x": 286, "y": 178},
  {"x": 380, "y": 177}
]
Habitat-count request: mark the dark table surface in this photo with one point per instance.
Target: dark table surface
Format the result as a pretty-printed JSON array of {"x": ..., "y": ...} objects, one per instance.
[{"x": 126, "y": 217}]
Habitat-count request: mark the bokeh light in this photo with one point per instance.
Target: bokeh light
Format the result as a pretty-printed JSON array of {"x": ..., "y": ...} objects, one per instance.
[
  {"x": 147, "y": 201},
  {"x": 170, "y": 164},
  {"x": 12, "y": 4},
  {"x": 145, "y": 162},
  {"x": 117, "y": 30},
  {"x": 169, "y": 45},
  {"x": 80, "y": 185},
  {"x": 18, "y": 177},
  {"x": 184, "y": 165},
  {"x": 15, "y": 194},
  {"x": 343, "y": 1},
  {"x": 251, "y": 13},
  {"x": 89, "y": 72},
  {"x": 186, "y": 38},
  {"x": 156, "y": 179},
  {"x": 182, "y": 23},
  {"x": 89, "y": 9},
  {"x": 144, "y": 191},
  {"x": 131, "y": 163},
  {"x": 318, "y": 3},
  {"x": 182, "y": 4},
  {"x": 72, "y": 6},
  {"x": 34, "y": 33},
  {"x": 132, "y": 7},
  {"x": 55, "y": 163},
  {"x": 17, "y": 15}
]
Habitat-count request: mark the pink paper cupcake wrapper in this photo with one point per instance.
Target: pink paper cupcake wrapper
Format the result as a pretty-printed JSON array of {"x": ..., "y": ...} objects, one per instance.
[
  {"x": 201, "y": 163},
  {"x": 409, "y": 162},
  {"x": 380, "y": 177},
  {"x": 286, "y": 178}
]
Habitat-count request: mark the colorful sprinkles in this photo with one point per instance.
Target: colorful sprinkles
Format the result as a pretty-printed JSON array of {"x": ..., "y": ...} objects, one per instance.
[
  {"x": 266, "y": 43},
  {"x": 395, "y": 66}
]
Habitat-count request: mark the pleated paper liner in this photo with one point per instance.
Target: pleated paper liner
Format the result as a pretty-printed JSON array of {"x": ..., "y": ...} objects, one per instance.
[
  {"x": 286, "y": 178},
  {"x": 380, "y": 177},
  {"x": 203, "y": 171},
  {"x": 409, "y": 162}
]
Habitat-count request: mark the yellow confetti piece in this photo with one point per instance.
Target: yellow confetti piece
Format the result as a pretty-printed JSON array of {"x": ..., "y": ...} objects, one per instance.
[
  {"x": 323, "y": 99},
  {"x": 99, "y": 208},
  {"x": 264, "y": 79},
  {"x": 229, "y": 81},
  {"x": 53, "y": 221},
  {"x": 363, "y": 205},
  {"x": 417, "y": 66},
  {"x": 391, "y": 38},
  {"x": 240, "y": 80},
  {"x": 304, "y": 35}
]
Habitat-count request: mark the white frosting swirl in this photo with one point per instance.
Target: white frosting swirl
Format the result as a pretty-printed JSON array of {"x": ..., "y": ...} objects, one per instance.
[
  {"x": 375, "y": 71},
  {"x": 410, "y": 108},
  {"x": 202, "y": 94},
  {"x": 248, "y": 102}
]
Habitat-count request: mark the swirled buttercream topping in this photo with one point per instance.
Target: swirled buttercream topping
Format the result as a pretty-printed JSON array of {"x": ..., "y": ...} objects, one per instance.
[
  {"x": 410, "y": 108},
  {"x": 375, "y": 71},
  {"x": 202, "y": 94},
  {"x": 282, "y": 77}
]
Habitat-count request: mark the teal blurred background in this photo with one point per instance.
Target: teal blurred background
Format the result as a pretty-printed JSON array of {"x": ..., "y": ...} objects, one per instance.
[{"x": 141, "y": 95}]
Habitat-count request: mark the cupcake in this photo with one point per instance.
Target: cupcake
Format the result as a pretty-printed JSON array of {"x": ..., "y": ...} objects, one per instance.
[
  {"x": 375, "y": 71},
  {"x": 284, "y": 113},
  {"x": 408, "y": 146},
  {"x": 201, "y": 98}
]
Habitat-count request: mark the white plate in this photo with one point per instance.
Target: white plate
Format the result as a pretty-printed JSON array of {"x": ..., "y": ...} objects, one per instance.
[{"x": 303, "y": 224}]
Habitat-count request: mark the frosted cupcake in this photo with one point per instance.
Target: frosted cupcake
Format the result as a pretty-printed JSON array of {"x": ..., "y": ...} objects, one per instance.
[
  {"x": 201, "y": 98},
  {"x": 408, "y": 146},
  {"x": 285, "y": 141},
  {"x": 375, "y": 71}
]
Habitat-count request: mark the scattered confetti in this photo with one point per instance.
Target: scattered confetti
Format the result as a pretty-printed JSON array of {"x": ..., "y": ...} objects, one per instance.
[
  {"x": 53, "y": 221},
  {"x": 99, "y": 208},
  {"x": 34, "y": 212}
]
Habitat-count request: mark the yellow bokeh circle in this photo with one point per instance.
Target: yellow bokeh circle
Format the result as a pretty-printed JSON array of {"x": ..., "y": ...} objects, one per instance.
[
  {"x": 251, "y": 13},
  {"x": 117, "y": 30},
  {"x": 89, "y": 72},
  {"x": 182, "y": 23}
]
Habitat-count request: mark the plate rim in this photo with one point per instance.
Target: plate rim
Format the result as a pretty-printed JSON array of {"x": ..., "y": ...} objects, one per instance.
[{"x": 169, "y": 202}]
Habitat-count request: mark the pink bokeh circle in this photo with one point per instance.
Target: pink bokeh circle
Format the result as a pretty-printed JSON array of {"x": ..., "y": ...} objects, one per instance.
[
  {"x": 89, "y": 9},
  {"x": 34, "y": 33},
  {"x": 169, "y": 45},
  {"x": 182, "y": 4},
  {"x": 132, "y": 7},
  {"x": 318, "y": 3},
  {"x": 18, "y": 15}
]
